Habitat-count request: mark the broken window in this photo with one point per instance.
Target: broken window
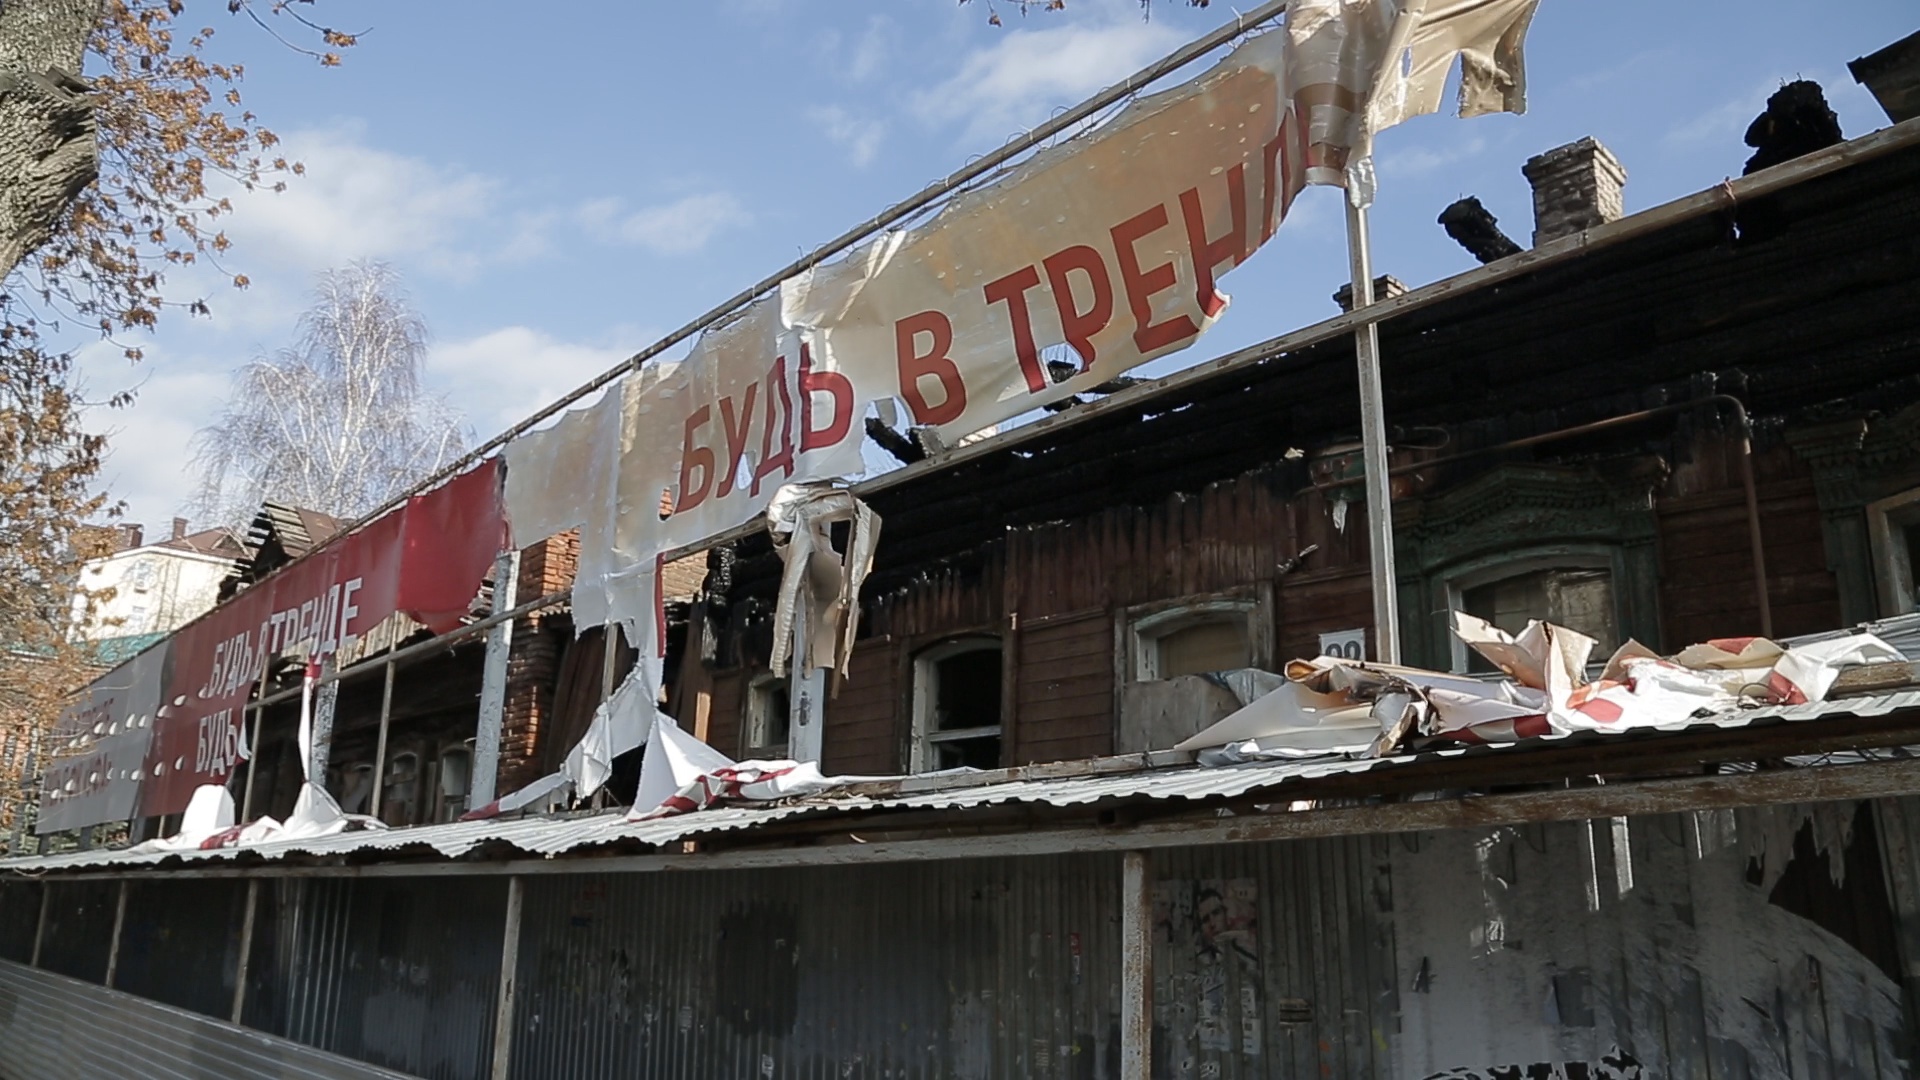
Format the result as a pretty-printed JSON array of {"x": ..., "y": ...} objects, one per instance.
[
  {"x": 398, "y": 793},
  {"x": 769, "y": 717},
  {"x": 1577, "y": 597},
  {"x": 956, "y": 705},
  {"x": 1193, "y": 640},
  {"x": 356, "y": 787},
  {"x": 456, "y": 782},
  {"x": 1893, "y": 527}
]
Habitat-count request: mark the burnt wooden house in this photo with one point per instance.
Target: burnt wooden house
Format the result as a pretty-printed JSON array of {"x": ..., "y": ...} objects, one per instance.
[{"x": 1573, "y": 429}]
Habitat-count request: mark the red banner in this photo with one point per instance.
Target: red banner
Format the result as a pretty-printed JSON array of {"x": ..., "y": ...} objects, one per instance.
[{"x": 417, "y": 559}]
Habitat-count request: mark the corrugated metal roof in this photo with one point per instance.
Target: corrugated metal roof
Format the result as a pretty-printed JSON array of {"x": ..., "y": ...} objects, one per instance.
[{"x": 555, "y": 836}]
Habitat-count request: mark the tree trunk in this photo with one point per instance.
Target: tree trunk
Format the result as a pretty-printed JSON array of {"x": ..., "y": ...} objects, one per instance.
[{"x": 47, "y": 148}]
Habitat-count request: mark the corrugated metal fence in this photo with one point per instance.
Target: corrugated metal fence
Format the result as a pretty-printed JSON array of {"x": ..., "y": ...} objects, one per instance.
[
  {"x": 1732, "y": 944},
  {"x": 964, "y": 969},
  {"x": 56, "y": 1028}
]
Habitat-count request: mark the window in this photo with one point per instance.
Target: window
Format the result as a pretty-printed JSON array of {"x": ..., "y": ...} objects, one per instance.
[
  {"x": 456, "y": 782},
  {"x": 1576, "y": 594},
  {"x": 769, "y": 717},
  {"x": 356, "y": 787},
  {"x": 1193, "y": 640},
  {"x": 1893, "y": 529},
  {"x": 398, "y": 792},
  {"x": 956, "y": 705}
]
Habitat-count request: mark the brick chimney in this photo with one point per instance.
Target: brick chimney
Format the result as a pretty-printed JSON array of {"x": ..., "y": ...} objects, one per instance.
[
  {"x": 1575, "y": 187},
  {"x": 131, "y": 536},
  {"x": 1385, "y": 287},
  {"x": 179, "y": 528}
]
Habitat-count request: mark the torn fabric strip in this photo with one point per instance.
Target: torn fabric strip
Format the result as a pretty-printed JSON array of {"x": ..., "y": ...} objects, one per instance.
[{"x": 823, "y": 582}]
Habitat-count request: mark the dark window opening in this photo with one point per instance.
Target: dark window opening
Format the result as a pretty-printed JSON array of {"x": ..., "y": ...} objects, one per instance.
[{"x": 957, "y": 704}]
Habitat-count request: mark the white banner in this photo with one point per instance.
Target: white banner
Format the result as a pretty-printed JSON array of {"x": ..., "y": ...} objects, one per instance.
[
  {"x": 1105, "y": 251},
  {"x": 1111, "y": 245}
]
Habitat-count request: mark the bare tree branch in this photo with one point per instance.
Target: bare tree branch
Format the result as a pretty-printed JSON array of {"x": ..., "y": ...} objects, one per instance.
[{"x": 339, "y": 422}]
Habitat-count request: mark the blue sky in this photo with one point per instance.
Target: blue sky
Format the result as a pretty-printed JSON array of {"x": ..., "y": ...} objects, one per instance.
[{"x": 561, "y": 184}]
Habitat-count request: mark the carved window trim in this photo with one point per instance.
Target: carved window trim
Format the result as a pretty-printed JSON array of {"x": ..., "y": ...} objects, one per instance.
[
  {"x": 1487, "y": 570},
  {"x": 1893, "y": 562}
]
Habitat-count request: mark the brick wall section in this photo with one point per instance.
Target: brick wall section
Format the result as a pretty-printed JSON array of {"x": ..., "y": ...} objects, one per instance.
[
  {"x": 532, "y": 666},
  {"x": 533, "y": 663},
  {"x": 548, "y": 566}
]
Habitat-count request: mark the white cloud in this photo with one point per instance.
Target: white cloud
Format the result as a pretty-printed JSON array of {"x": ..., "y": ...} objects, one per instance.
[
  {"x": 871, "y": 51},
  {"x": 1016, "y": 82},
  {"x": 357, "y": 201},
  {"x": 860, "y": 137},
  {"x": 676, "y": 228},
  {"x": 1416, "y": 160},
  {"x": 500, "y": 377},
  {"x": 147, "y": 463}
]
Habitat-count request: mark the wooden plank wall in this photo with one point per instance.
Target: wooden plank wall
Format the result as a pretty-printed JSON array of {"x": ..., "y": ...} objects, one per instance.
[
  {"x": 1065, "y": 587},
  {"x": 865, "y": 721},
  {"x": 1706, "y": 564},
  {"x": 1064, "y": 688},
  {"x": 729, "y": 712}
]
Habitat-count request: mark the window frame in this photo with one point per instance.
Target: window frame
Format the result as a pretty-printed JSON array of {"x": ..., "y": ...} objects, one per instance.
[
  {"x": 754, "y": 719},
  {"x": 923, "y": 689},
  {"x": 1145, "y": 630},
  {"x": 441, "y": 795},
  {"x": 1500, "y": 568},
  {"x": 1893, "y": 560}
]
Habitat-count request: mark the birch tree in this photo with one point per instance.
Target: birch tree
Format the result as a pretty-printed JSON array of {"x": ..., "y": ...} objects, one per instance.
[{"x": 339, "y": 422}]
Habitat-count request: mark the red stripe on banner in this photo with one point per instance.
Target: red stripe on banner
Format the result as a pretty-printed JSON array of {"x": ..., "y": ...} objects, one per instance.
[{"x": 427, "y": 558}]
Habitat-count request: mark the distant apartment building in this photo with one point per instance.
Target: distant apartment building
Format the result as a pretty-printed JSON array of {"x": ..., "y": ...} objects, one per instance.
[{"x": 154, "y": 587}]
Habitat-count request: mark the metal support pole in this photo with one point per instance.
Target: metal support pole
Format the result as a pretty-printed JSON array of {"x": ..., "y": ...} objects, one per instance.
[
  {"x": 806, "y": 694},
  {"x": 1755, "y": 544},
  {"x": 380, "y": 746},
  {"x": 40, "y": 928},
  {"x": 253, "y": 761},
  {"x": 326, "y": 698},
  {"x": 493, "y": 683},
  {"x": 1136, "y": 967},
  {"x": 509, "y": 980},
  {"x": 1373, "y": 434},
  {"x": 245, "y": 962},
  {"x": 259, "y": 709},
  {"x": 119, "y": 926},
  {"x": 609, "y": 656}
]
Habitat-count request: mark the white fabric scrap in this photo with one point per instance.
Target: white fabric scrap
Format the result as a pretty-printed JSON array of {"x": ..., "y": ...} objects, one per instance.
[
  {"x": 681, "y": 774},
  {"x": 827, "y": 583},
  {"x": 674, "y": 760},
  {"x": 620, "y": 724},
  {"x": 1331, "y": 704},
  {"x": 1366, "y": 65},
  {"x": 209, "y": 812},
  {"x": 1294, "y": 719}
]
